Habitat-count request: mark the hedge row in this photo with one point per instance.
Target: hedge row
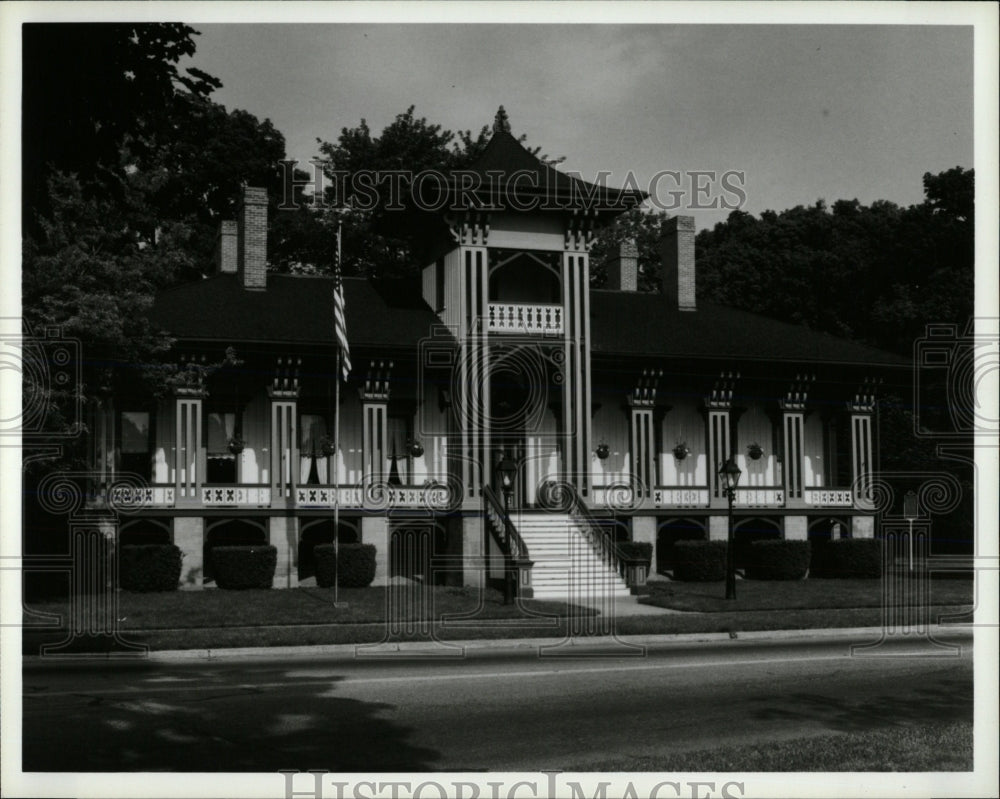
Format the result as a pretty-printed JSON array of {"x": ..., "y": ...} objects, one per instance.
[
  {"x": 848, "y": 557},
  {"x": 244, "y": 567},
  {"x": 699, "y": 560},
  {"x": 356, "y": 567},
  {"x": 149, "y": 567},
  {"x": 635, "y": 551},
  {"x": 776, "y": 559}
]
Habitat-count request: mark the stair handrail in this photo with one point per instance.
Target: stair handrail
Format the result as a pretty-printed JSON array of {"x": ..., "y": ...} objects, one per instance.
[
  {"x": 502, "y": 528},
  {"x": 566, "y": 496}
]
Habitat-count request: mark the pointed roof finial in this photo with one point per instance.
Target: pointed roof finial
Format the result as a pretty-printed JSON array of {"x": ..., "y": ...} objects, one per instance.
[{"x": 500, "y": 121}]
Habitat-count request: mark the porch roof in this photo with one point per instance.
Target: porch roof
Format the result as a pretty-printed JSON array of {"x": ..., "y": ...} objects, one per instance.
[
  {"x": 383, "y": 313},
  {"x": 645, "y": 324}
]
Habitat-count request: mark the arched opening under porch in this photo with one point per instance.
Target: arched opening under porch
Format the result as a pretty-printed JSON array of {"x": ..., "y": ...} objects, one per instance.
[
  {"x": 321, "y": 531},
  {"x": 668, "y": 533},
  {"x": 746, "y": 531},
  {"x": 231, "y": 533}
]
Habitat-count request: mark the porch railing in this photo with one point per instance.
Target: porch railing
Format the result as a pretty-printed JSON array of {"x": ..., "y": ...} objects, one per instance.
[
  {"x": 600, "y": 541},
  {"x": 519, "y": 317},
  {"x": 517, "y": 563},
  {"x": 501, "y": 528}
]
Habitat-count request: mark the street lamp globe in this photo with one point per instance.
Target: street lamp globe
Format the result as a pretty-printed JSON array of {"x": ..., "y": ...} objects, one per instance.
[
  {"x": 730, "y": 474},
  {"x": 507, "y": 469}
]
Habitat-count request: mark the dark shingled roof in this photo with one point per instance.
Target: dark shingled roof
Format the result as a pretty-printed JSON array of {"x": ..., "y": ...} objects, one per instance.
[
  {"x": 506, "y": 155},
  {"x": 392, "y": 313},
  {"x": 634, "y": 323},
  {"x": 387, "y": 313}
]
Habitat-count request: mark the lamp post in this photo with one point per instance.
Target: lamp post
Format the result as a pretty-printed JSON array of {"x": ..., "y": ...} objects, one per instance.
[
  {"x": 730, "y": 473},
  {"x": 507, "y": 469}
]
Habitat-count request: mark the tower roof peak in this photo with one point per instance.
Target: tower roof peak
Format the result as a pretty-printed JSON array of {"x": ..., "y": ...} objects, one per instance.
[{"x": 500, "y": 122}]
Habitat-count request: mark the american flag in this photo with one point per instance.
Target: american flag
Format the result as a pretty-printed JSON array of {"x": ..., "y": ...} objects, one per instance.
[{"x": 340, "y": 325}]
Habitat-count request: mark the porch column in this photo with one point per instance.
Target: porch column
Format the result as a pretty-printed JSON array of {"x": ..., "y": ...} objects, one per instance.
[
  {"x": 374, "y": 394},
  {"x": 283, "y": 535},
  {"x": 576, "y": 385},
  {"x": 284, "y": 449},
  {"x": 862, "y": 408},
  {"x": 189, "y": 538},
  {"x": 375, "y": 530},
  {"x": 718, "y": 451},
  {"x": 793, "y": 408},
  {"x": 791, "y": 434},
  {"x": 189, "y": 456},
  {"x": 642, "y": 443},
  {"x": 284, "y": 394},
  {"x": 642, "y": 432},
  {"x": 473, "y": 411},
  {"x": 718, "y": 408}
]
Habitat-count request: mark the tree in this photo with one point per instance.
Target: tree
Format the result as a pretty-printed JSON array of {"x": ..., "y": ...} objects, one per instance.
[
  {"x": 375, "y": 243},
  {"x": 641, "y": 226},
  {"x": 87, "y": 88},
  {"x": 124, "y": 198},
  {"x": 878, "y": 274}
]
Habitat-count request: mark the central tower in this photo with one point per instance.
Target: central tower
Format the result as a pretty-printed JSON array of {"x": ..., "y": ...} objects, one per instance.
[{"x": 508, "y": 273}]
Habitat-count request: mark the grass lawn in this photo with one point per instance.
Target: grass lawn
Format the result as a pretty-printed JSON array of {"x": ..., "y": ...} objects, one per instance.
[
  {"x": 216, "y": 618},
  {"x": 945, "y": 747},
  {"x": 816, "y": 592}
]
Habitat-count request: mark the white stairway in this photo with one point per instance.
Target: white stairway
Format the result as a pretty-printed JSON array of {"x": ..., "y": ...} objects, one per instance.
[{"x": 565, "y": 564}]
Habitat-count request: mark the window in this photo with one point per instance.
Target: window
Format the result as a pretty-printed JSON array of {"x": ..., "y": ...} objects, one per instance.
[
  {"x": 136, "y": 443},
  {"x": 313, "y": 467},
  {"x": 399, "y": 438},
  {"x": 220, "y": 467}
]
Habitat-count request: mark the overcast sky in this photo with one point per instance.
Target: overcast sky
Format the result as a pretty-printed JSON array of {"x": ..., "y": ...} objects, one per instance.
[{"x": 806, "y": 112}]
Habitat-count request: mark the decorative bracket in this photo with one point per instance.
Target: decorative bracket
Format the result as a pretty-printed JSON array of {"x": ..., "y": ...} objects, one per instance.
[
  {"x": 644, "y": 393},
  {"x": 580, "y": 229},
  {"x": 721, "y": 397},
  {"x": 471, "y": 227},
  {"x": 863, "y": 400},
  {"x": 798, "y": 393},
  {"x": 376, "y": 385},
  {"x": 285, "y": 381}
]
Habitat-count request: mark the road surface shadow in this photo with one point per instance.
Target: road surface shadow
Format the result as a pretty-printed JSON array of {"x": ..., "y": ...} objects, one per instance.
[
  {"x": 953, "y": 701},
  {"x": 202, "y": 721}
]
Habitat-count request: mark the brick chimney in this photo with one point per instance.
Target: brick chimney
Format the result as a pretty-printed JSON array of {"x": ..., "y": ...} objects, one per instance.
[
  {"x": 677, "y": 254},
  {"x": 623, "y": 268},
  {"x": 252, "y": 236},
  {"x": 227, "y": 248}
]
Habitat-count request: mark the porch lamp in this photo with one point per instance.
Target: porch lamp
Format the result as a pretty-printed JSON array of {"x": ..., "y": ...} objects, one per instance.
[
  {"x": 729, "y": 475},
  {"x": 507, "y": 469}
]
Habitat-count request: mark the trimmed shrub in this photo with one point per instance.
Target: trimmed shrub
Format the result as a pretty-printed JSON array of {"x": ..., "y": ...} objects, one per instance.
[
  {"x": 244, "y": 567},
  {"x": 149, "y": 567},
  {"x": 700, "y": 561},
  {"x": 848, "y": 557},
  {"x": 772, "y": 559},
  {"x": 639, "y": 551},
  {"x": 356, "y": 568}
]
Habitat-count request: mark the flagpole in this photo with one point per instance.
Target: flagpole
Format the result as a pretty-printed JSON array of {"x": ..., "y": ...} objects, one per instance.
[
  {"x": 336, "y": 447},
  {"x": 336, "y": 479}
]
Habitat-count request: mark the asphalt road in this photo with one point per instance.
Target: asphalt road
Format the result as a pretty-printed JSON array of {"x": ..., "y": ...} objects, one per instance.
[{"x": 492, "y": 710}]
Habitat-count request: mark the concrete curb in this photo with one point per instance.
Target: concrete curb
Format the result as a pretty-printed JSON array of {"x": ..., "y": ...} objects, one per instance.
[{"x": 453, "y": 649}]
